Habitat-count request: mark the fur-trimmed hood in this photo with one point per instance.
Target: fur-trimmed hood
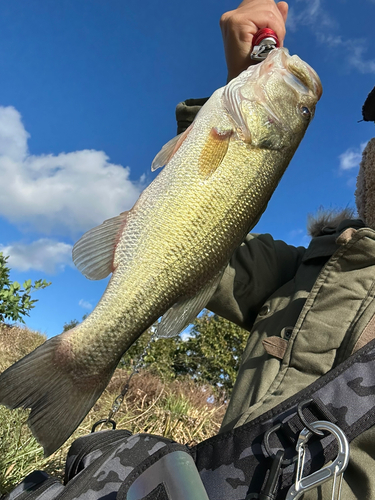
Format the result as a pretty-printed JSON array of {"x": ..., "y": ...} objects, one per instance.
[
  {"x": 365, "y": 192},
  {"x": 327, "y": 220}
]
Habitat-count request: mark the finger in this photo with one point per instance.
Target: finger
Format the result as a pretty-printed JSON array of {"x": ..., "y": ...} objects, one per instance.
[
  {"x": 283, "y": 8},
  {"x": 276, "y": 20},
  {"x": 260, "y": 14}
]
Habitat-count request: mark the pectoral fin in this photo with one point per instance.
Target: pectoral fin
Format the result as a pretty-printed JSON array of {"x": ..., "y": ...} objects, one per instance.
[
  {"x": 169, "y": 149},
  {"x": 93, "y": 253},
  {"x": 214, "y": 151},
  {"x": 178, "y": 317}
]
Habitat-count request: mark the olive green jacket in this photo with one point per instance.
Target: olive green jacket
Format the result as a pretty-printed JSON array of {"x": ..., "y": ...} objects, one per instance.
[
  {"x": 305, "y": 310},
  {"x": 317, "y": 302}
]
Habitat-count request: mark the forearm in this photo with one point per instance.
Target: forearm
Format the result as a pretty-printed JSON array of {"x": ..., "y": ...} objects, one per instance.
[{"x": 186, "y": 111}]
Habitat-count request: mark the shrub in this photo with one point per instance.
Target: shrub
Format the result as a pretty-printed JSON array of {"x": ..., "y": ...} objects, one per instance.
[{"x": 15, "y": 301}]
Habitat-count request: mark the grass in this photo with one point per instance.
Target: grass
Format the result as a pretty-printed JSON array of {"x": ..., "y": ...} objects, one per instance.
[{"x": 178, "y": 410}]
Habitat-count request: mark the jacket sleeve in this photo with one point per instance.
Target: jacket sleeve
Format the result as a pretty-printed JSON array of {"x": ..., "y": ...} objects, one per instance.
[
  {"x": 258, "y": 267},
  {"x": 186, "y": 112}
]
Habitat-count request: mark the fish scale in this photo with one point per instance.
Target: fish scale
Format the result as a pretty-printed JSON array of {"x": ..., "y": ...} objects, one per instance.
[{"x": 168, "y": 252}]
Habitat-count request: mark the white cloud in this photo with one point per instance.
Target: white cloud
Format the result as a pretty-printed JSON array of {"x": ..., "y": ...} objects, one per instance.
[
  {"x": 351, "y": 51},
  {"x": 309, "y": 13},
  {"x": 85, "y": 304},
  {"x": 13, "y": 136},
  {"x": 351, "y": 158},
  {"x": 64, "y": 193},
  {"x": 299, "y": 237},
  {"x": 44, "y": 255},
  {"x": 356, "y": 53}
]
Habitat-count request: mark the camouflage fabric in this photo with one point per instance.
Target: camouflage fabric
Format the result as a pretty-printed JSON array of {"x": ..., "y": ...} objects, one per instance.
[
  {"x": 37, "y": 484},
  {"x": 102, "y": 472},
  {"x": 86, "y": 449},
  {"x": 105, "y": 471}
]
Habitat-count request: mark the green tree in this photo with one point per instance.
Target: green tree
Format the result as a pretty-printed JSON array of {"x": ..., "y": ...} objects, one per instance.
[
  {"x": 212, "y": 353},
  {"x": 15, "y": 301},
  {"x": 159, "y": 356},
  {"x": 72, "y": 323}
]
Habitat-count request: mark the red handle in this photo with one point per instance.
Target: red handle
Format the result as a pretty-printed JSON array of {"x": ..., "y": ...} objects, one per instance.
[{"x": 265, "y": 33}]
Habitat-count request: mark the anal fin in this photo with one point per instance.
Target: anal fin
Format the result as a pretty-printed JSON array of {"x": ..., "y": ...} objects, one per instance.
[{"x": 178, "y": 317}]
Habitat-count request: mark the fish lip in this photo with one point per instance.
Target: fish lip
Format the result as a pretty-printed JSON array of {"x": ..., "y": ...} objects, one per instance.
[
  {"x": 318, "y": 88},
  {"x": 278, "y": 57},
  {"x": 308, "y": 78}
]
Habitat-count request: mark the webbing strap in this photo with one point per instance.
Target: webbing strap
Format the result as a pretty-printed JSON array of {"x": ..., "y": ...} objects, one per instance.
[
  {"x": 232, "y": 464},
  {"x": 366, "y": 336}
]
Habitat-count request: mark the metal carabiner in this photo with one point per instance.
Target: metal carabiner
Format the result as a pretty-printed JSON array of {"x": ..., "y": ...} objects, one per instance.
[{"x": 335, "y": 469}]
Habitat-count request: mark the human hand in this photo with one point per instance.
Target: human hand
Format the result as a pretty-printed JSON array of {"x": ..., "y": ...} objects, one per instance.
[{"x": 239, "y": 26}]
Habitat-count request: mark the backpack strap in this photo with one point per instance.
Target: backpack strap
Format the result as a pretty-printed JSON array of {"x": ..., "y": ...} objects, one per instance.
[
  {"x": 366, "y": 336},
  {"x": 233, "y": 463}
]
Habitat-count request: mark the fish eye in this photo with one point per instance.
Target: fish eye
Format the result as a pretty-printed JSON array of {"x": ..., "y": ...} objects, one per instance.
[{"x": 305, "y": 112}]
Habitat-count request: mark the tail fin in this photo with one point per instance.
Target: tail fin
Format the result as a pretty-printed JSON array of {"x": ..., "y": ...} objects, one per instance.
[{"x": 58, "y": 403}]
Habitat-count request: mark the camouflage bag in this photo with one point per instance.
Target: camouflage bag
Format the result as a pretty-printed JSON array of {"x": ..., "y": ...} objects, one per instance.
[
  {"x": 234, "y": 465},
  {"x": 116, "y": 464}
]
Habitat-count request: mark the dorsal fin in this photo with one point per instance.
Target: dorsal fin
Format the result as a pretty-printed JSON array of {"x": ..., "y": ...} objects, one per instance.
[
  {"x": 169, "y": 149},
  {"x": 93, "y": 253}
]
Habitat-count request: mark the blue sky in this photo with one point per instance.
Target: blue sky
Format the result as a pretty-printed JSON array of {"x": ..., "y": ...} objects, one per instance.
[{"x": 88, "y": 90}]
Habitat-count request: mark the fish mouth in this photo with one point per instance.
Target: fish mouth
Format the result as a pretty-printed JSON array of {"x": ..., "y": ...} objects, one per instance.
[
  {"x": 251, "y": 87},
  {"x": 306, "y": 74},
  {"x": 298, "y": 74}
]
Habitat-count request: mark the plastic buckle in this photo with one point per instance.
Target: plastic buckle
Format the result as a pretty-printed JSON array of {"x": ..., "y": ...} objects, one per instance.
[
  {"x": 269, "y": 491},
  {"x": 286, "y": 461}
]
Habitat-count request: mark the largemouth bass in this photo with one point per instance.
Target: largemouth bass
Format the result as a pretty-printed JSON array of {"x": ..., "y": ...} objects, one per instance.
[{"x": 168, "y": 253}]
